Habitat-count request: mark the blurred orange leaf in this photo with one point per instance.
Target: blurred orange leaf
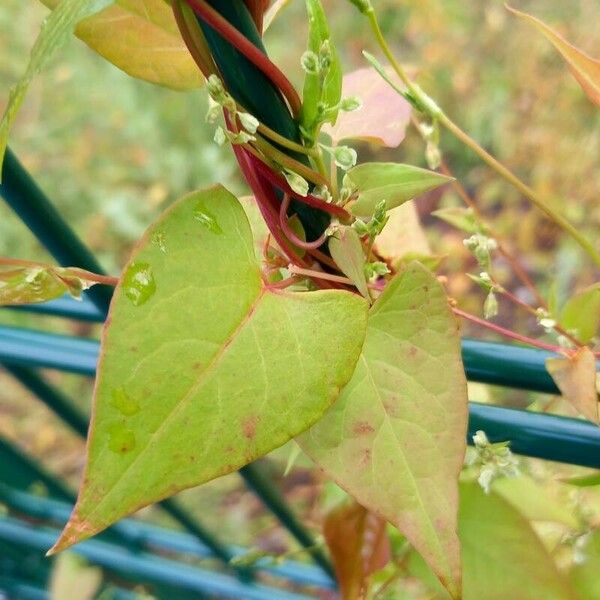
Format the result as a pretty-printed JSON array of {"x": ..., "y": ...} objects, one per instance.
[
  {"x": 584, "y": 68},
  {"x": 383, "y": 117},
  {"x": 358, "y": 544},
  {"x": 142, "y": 39},
  {"x": 575, "y": 377}
]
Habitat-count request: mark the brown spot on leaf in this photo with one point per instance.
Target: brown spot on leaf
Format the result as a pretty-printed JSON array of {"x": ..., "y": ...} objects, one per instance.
[
  {"x": 366, "y": 457},
  {"x": 249, "y": 427},
  {"x": 362, "y": 428}
]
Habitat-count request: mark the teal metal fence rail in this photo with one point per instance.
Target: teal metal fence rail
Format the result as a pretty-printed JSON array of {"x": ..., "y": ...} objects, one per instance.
[{"x": 135, "y": 552}]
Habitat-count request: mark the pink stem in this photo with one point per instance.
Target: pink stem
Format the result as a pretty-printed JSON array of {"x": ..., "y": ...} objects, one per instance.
[
  {"x": 285, "y": 226},
  {"x": 282, "y": 184},
  {"x": 507, "y": 332}
]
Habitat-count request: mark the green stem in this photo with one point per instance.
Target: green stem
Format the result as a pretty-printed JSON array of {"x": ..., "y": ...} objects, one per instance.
[
  {"x": 289, "y": 163},
  {"x": 285, "y": 142},
  {"x": 436, "y": 113},
  {"x": 528, "y": 192}
]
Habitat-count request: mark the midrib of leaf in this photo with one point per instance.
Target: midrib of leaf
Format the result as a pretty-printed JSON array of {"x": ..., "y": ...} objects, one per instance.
[
  {"x": 388, "y": 422},
  {"x": 219, "y": 354}
]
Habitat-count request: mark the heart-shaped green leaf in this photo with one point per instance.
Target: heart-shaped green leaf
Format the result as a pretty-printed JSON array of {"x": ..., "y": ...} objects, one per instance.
[
  {"x": 203, "y": 368},
  {"x": 395, "y": 439},
  {"x": 393, "y": 182},
  {"x": 142, "y": 39}
]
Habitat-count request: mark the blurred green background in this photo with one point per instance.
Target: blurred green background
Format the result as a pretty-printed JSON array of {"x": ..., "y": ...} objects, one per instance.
[{"x": 113, "y": 152}]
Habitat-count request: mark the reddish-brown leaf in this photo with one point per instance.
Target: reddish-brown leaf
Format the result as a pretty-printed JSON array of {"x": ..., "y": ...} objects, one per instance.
[
  {"x": 583, "y": 67},
  {"x": 358, "y": 544}
]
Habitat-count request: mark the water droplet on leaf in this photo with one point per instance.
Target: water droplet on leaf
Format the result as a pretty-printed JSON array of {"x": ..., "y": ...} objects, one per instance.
[
  {"x": 124, "y": 403},
  {"x": 206, "y": 218},
  {"x": 121, "y": 440},
  {"x": 138, "y": 283}
]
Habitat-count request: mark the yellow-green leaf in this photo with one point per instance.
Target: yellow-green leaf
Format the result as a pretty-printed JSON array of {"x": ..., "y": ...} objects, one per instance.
[
  {"x": 403, "y": 234},
  {"x": 347, "y": 251},
  {"x": 584, "y": 575},
  {"x": 583, "y": 67},
  {"x": 393, "y": 182},
  {"x": 575, "y": 377},
  {"x": 54, "y": 33},
  {"x": 536, "y": 501},
  {"x": 395, "y": 439},
  {"x": 31, "y": 285},
  {"x": 502, "y": 556},
  {"x": 203, "y": 368},
  {"x": 581, "y": 313},
  {"x": 141, "y": 38}
]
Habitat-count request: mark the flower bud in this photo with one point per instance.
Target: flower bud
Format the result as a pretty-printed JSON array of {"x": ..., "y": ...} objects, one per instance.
[
  {"x": 296, "y": 182},
  {"x": 310, "y": 62},
  {"x": 350, "y": 104},
  {"x": 345, "y": 157},
  {"x": 249, "y": 122}
]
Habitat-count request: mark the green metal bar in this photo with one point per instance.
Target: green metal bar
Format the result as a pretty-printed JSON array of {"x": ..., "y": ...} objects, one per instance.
[
  {"x": 508, "y": 365},
  {"x": 26, "y": 198},
  {"x": 487, "y": 362},
  {"x": 145, "y": 567},
  {"x": 67, "y": 307},
  {"x": 551, "y": 437},
  {"x": 56, "y": 513},
  {"x": 21, "y": 472},
  {"x": 51, "y": 396}
]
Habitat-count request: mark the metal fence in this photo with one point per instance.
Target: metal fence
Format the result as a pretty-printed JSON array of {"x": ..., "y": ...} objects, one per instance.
[{"x": 133, "y": 552}]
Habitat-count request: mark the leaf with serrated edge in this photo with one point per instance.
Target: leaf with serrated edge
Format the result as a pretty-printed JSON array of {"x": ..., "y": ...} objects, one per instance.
[
  {"x": 575, "y": 377},
  {"x": 383, "y": 116},
  {"x": 583, "y": 67},
  {"x": 395, "y": 439},
  {"x": 141, "y": 38},
  {"x": 207, "y": 369},
  {"x": 393, "y": 182}
]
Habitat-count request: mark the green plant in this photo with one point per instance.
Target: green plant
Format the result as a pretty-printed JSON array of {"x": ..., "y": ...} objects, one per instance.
[{"x": 213, "y": 356}]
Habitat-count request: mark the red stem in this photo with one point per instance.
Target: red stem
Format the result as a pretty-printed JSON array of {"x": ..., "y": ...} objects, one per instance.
[
  {"x": 507, "y": 332},
  {"x": 215, "y": 20},
  {"x": 285, "y": 226},
  {"x": 283, "y": 185}
]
